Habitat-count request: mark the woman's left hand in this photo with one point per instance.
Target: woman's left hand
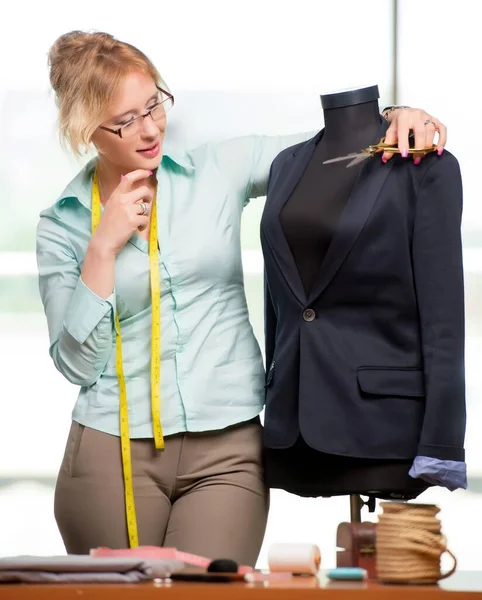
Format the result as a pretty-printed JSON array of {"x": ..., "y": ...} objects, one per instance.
[{"x": 403, "y": 120}]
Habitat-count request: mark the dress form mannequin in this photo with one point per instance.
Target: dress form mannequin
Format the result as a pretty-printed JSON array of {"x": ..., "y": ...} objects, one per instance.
[
  {"x": 352, "y": 122},
  {"x": 309, "y": 219}
]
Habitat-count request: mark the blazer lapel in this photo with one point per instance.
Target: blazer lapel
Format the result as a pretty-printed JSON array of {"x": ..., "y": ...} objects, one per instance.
[
  {"x": 288, "y": 177},
  {"x": 355, "y": 214}
]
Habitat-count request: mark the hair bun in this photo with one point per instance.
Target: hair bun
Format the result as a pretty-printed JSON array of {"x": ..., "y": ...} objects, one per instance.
[{"x": 71, "y": 48}]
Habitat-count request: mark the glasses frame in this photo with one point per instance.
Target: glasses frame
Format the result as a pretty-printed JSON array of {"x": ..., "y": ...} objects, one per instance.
[{"x": 147, "y": 114}]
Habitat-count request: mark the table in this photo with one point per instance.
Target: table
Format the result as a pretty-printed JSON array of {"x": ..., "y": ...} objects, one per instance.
[{"x": 460, "y": 586}]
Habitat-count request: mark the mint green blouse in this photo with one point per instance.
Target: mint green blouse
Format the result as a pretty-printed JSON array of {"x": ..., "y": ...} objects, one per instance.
[{"x": 212, "y": 373}]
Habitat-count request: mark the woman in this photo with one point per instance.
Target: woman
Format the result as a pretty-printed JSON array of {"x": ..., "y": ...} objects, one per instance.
[{"x": 204, "y": 493}]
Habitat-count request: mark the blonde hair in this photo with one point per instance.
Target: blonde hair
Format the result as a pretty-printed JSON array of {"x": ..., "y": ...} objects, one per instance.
[{"x": 85, "y": 72}]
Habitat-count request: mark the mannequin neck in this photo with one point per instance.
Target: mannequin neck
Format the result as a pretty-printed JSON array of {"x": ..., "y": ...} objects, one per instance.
[{"x": 351, "y": 128}]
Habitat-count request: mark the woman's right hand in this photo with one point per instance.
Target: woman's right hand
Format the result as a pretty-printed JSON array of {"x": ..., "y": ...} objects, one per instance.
[{"x": 122, "y": 212}]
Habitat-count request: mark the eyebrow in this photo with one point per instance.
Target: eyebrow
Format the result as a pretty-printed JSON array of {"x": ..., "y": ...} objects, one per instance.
[{"x": 129, "y": 112}]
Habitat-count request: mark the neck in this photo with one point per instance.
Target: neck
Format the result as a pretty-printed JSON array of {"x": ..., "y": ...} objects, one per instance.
[
  {"x": 109, "y": 177},
  {"x": 351, "y": 128}
]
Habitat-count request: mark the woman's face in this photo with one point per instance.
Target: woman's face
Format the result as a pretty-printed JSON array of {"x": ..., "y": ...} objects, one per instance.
[{"x": 141, "y": 144}]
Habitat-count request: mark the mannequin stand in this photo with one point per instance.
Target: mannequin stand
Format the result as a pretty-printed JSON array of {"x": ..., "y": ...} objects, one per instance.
[
  {"x": 356, "y": 505},
  {"x": 356, "y": 541}
]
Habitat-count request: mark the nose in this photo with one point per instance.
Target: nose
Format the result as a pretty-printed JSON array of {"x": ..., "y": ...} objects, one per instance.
[{"x": 150, "y": 127}]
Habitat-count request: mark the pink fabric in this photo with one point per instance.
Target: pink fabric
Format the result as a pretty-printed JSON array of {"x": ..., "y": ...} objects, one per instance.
[{"x": 156, "y": 552}]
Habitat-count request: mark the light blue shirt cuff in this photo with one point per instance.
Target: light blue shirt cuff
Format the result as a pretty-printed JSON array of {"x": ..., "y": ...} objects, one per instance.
[
  {"x": 450, "y": 474},
  {"x": 86, "y": 310}
]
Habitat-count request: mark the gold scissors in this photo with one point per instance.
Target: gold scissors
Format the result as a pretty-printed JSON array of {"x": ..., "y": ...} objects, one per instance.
[{"x": 373, "y": 149}]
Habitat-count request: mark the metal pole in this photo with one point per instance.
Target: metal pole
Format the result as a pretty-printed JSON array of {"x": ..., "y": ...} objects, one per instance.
[{"x": 356, "y": 504}]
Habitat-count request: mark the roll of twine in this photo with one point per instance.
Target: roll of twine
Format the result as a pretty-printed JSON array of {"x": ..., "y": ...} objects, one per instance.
[{"x": 410, "y": 544}]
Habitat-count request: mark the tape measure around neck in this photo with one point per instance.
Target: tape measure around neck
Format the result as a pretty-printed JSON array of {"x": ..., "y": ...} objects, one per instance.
[{"x": 155, "y": 364}]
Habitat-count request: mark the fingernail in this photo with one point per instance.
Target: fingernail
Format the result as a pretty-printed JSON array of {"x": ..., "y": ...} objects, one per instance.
[
  {"x": 404, "y": 153},
  {"x": 440, "y": 150},
  {"x": 123, "y": 177},
  {"x": 150, "y": 172},
  {"x": 384, "y": 159},
  {"x": 417, "y": 161}
]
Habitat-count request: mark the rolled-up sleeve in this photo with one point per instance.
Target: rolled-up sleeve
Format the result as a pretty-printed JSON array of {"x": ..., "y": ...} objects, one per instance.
[
  {"x": 85, "y": 311},
  {"x": 451, "y": 474},
  {"x": 81, "y": 324}
]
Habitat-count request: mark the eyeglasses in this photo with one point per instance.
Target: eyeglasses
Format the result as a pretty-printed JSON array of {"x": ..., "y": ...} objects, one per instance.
[{"x": 157, "y": 113}]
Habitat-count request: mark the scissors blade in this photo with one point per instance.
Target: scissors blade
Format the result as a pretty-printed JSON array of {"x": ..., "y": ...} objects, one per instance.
[
  {"x": 340, "y": 158},
  {"x": 358, "y": 159}
]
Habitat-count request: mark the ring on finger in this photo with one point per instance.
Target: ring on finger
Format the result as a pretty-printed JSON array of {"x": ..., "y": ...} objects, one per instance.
[
  {"x": 144, "y": 207},
  {"x": 429, "y": 121}
]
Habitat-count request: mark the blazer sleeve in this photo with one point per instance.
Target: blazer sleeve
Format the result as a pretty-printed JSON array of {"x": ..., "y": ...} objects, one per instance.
[{"x": 438, "y": 274}]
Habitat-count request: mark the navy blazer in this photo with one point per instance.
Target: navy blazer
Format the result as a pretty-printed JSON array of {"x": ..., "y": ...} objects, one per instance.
[{"x": 371, "y": 363}]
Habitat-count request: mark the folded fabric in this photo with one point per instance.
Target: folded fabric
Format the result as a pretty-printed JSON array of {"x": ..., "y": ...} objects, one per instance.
[
  {"x": 157, "y": 552},
  {"x": 84, "y": 569}
]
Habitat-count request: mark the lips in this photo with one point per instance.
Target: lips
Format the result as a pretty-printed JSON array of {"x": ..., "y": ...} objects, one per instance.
[
  {"x": 151, "y": 151},
  {"x": 148, "y": 148}
]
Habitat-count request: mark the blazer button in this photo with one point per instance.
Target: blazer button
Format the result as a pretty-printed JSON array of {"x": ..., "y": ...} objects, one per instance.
[{"x": 309, "y": 315}]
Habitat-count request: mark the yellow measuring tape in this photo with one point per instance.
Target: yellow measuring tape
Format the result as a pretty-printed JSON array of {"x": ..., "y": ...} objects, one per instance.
[{"x": 155, "y": 364}]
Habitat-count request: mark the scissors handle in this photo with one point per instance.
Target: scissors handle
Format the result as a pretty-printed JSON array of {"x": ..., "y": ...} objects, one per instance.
[
  {"x": 382, "y": 147},
  {"x": 374, "y": 149}
]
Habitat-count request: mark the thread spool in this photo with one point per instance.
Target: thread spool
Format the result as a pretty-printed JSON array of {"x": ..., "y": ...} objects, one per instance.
[
  {"x": 410, "y": 544},
  {"x": 298, "y": 559}
]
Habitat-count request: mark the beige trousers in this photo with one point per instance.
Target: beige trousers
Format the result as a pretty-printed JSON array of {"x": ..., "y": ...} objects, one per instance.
[{"x": 203, "y": 494}]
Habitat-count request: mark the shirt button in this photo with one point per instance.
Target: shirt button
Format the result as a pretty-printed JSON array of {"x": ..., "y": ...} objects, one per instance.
[{"x": 309, "y": 315}]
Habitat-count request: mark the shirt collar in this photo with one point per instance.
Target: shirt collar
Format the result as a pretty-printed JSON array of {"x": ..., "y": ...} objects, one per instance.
[
  {"x": 81, "y": 186},
  {"x": 179, "y": 157}
]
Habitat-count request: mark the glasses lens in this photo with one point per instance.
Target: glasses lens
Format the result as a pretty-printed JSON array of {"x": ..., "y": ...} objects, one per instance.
[
  {"x": 131, "y": 129},
  {"x": 161, "y": 109},
  {"x": 158, "y": 113}
]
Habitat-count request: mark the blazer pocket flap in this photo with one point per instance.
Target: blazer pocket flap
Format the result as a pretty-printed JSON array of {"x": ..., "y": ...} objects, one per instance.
[{"x": 392, "y": 382}]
